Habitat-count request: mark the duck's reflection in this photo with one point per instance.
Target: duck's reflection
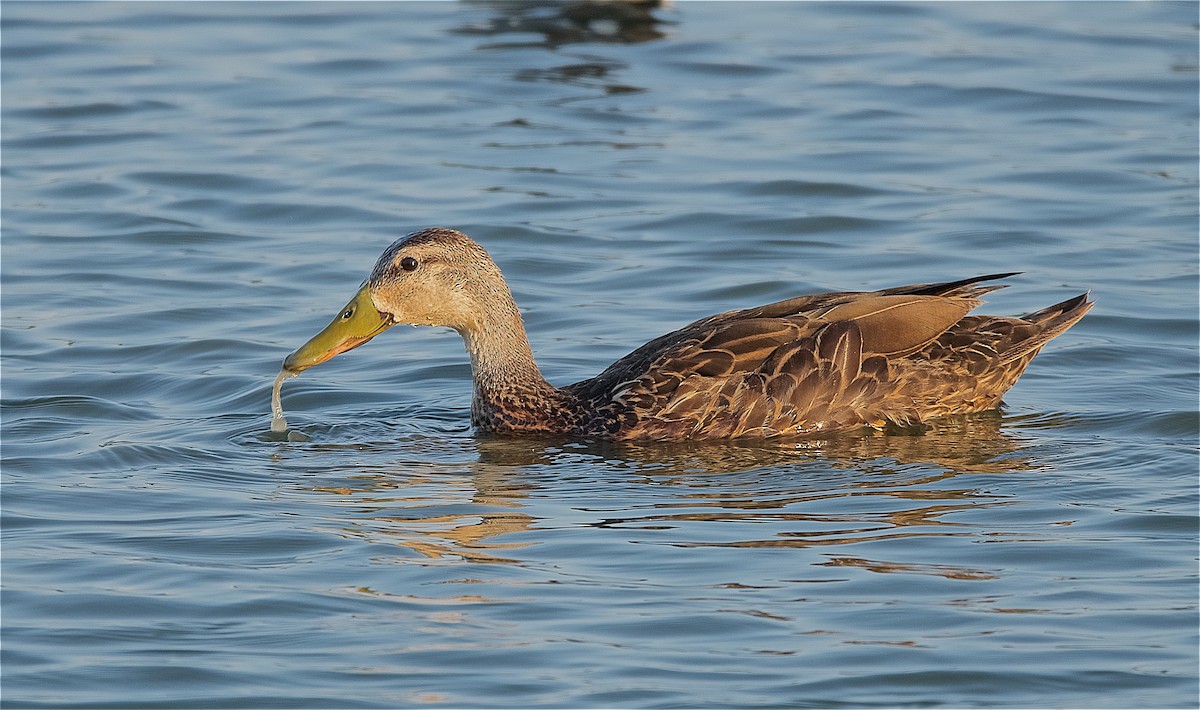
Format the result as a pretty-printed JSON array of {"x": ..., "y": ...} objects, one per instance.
[
  {"x": 437, "y": 512},
  {"x": 831, "y": 492},
  {"x": 963, "y": 444}
]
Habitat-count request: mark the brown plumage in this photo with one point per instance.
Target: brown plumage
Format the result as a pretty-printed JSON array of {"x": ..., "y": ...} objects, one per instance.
[{"x": 811, "y": 364}]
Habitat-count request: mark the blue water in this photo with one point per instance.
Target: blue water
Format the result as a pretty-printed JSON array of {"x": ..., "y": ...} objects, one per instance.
[{"x": 191, "y": 190}]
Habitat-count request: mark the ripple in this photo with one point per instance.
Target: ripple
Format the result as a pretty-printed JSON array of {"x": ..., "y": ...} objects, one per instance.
[
  {"x": 721, "y": 69},
  {"x": 1021, "y": 101},
  {"x": 102, "y": 109},
  {"x": 1176, "y": 425},
  {"x": 223, "y": 182},
  {"x": 71, "y": 407},
  {"x": 80, "y": 140},
  {"x": 83, "y": 190},
  {"x": 345, "y": 66},
  {"x": 307, "y": 214},
  {"x": 800, "y": 188},
  {"x": 17, "y": 52}
]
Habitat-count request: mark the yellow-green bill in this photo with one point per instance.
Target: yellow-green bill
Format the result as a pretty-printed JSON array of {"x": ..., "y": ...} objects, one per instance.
[{"x": 357, "y": 323}]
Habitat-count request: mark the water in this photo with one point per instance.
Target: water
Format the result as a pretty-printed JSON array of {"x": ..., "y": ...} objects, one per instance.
[
  {"x": 279, "y": 423},
  {"x": 190, "y": 191}
]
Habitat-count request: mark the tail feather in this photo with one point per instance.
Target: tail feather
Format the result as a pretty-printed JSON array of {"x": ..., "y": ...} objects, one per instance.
[
  {"x": 1051, "y": 322},
  {"x": 948, "y": 287}
]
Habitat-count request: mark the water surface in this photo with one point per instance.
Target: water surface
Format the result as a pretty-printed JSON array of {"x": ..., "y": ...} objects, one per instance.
[{"x": 190, "y": 191}]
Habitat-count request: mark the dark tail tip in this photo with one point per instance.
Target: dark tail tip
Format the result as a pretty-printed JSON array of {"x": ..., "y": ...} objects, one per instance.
[
  {"x": 948, "y": 286},
  {"x": 1072, "y": 308}
]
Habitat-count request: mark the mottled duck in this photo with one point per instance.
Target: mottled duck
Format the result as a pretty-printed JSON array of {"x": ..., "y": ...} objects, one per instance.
[{"x": 831, "y": 361}]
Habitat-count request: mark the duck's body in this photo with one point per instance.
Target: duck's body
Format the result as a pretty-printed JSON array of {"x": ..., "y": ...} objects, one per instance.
[{"x": 810, "y": 364}]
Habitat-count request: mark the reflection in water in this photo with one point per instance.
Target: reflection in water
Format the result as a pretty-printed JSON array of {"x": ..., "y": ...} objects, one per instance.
[
  {"x": 560, "y": 23},
  {"x": 963, "y": 444},
  {"x": 563, "y": 23},
  {"x": 947, "y": 571},
  {"x": 437, "y": 516},
  {"x": 592, "y": 73},
  {"x": 848, "y": 490},
  {"x": 829, "y": 492}
]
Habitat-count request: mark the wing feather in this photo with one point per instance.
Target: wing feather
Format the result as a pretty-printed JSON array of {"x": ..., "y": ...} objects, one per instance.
[{"x": 826, "y": 361}]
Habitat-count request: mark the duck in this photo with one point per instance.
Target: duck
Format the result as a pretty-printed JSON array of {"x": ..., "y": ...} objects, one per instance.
[{"x": 896, "y": 357}]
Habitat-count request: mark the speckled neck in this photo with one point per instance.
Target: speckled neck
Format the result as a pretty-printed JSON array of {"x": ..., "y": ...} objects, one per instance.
[
  {"x": 509, "y": 390},
  {"x": 501, "y": 355}
]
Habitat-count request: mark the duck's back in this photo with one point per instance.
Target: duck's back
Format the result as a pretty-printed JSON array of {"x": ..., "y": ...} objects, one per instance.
[{"x": 821, "y": 363}]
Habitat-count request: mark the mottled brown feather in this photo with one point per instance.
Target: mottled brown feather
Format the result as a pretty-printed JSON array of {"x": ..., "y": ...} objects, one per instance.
[{"x": 834, "y": 361}]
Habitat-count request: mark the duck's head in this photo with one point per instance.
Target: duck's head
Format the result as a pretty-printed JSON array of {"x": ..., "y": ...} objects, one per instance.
[{"x": 432, "y": 277}]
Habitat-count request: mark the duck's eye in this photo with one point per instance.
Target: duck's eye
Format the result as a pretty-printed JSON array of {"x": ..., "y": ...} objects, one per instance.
[
  {"x": 347, "y": 314},
  {"x": 408, "y": 263}
]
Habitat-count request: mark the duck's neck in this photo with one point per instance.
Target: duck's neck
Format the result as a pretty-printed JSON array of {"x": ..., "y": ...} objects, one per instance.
[
  {"x": 509, "y": 390},
  {"x": 501, "y": 356}
]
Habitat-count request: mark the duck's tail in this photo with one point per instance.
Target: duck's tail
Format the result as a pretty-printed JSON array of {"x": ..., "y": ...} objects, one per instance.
[{"x": 1050, "y": 322}]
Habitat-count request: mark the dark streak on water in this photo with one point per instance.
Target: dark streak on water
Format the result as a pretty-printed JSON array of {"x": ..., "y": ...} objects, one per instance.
[{"x": 191, "y": 190}]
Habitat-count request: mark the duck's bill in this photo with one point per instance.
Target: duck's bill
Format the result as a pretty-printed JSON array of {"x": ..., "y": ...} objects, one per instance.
[{"x": 354, "y": 325}]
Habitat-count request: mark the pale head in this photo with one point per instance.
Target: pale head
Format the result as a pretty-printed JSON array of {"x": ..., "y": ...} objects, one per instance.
[
  {"x": 433, "y": 277},
  {"x": 437, "y": 277}
]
